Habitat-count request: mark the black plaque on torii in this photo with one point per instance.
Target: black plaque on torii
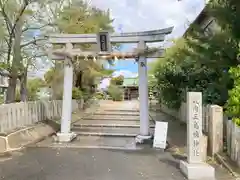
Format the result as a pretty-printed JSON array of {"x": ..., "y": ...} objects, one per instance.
[{"x": 103, "y": 41}]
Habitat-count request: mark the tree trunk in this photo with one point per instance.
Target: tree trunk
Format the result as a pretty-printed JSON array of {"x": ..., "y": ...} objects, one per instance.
[
  {"x": 16, "y": 63},
  {"x": 23, "y": 87},
  {"x": 79, "y": 80},
  {"x": 11, "y": 90}
]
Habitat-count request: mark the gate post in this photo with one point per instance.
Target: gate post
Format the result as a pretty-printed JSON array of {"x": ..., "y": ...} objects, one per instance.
[
  {"x": 65, "y": 134},
  {"x": 143, "y": 96}
]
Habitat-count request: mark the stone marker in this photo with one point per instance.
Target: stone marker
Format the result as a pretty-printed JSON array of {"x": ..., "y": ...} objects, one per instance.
[
  {"x": 195, "y": 168},
  {"x": 215, "y": 130},
  {"x": 160, "y": 135}
]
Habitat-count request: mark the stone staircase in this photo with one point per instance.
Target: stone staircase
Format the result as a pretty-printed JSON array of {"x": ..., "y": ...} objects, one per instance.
[
  {"x": 114, "y": 125},
  {"x": 114, "y": 129}
]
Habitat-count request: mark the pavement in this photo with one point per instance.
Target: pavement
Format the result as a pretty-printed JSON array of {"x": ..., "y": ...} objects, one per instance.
[
  {"x": 49, "y": 161},
  {"x": 89, "y": 164}
]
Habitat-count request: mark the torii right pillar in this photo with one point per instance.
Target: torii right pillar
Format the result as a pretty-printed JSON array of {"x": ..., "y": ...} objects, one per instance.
[{"x": 143, "y": 97}]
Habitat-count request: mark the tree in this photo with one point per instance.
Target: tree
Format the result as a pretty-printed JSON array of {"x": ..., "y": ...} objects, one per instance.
[
  {"x": 197, "y": 63},
  {"x": 201, "y": 60},
  {"x": 33, "y": 87},
  {"x": 79, "y": 17},
  {"x": 115, "y": 92},
  {"x": 117, "y": 80},
  {"x": 16, "y": 18},
  {"x": 232, "y": 105},
  {"x": 227, "y": 13}
]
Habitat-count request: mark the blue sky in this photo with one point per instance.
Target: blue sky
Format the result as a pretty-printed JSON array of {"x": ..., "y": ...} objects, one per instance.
[
  {"x": 142, "y": 15},
  {"x": 126, "y": 65}
]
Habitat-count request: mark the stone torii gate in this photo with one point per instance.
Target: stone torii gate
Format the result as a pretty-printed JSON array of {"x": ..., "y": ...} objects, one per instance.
[{"x": 104, "y": 39}]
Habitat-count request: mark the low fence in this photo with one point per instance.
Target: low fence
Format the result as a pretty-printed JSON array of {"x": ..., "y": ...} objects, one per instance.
[
  {"x": 215, "y": 126},
  {"x": 233, "y": 141},
  {"x": 181, "y": 114},
  {"x": 18, "y": 115}
]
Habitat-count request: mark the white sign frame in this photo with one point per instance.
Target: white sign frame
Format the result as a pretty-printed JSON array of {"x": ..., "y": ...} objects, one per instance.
[{"x": 160, "y": 135}]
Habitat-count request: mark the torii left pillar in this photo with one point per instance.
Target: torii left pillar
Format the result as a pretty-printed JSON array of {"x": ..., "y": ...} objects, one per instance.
[
  {"x": 65, "y": 134},
  {"x": 143, "y": 97}
]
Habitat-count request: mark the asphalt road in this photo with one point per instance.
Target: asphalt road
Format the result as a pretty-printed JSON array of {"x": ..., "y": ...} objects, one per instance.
[{"x": 89, "y": 164}]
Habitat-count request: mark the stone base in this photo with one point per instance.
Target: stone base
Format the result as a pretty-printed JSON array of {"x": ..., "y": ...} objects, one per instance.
[
  {"x": 66, "y": 137},
  {"x": 201, "y": 171},
  {"x": 140, "y": 139}
]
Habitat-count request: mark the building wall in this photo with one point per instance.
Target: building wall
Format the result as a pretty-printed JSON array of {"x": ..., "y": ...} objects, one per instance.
[
  {"x": 209, "y": 24},
  {"x": 206, "y": 22}
]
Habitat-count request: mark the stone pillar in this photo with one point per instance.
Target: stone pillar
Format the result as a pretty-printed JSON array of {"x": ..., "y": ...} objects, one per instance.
[
  {"x": 143, "y": 97},
  {"x": 215, "y": 130},
  {"x": 66, "y": 135},
  {"x": 195, "y": 168}
]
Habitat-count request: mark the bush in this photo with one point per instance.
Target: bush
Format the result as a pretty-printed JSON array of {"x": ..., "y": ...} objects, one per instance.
[
  {"x": 1, "y": 99},
  {"x": 236, "y": 121},
  {"x": 233, "y": 103},
  {"x": 115, "y": 92},
  {"x": 86, "y": 95},
  {"x": 76, "y": 93},
  {"x": 117, "y": 80},
  {"x": 99, "y": 95},
  {"x": 31, "y": 94}
]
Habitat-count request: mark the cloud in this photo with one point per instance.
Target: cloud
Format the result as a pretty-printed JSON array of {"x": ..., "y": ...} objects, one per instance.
[
  {"x": 139, "y": 15},
  {"x": 125, "y": 73}
]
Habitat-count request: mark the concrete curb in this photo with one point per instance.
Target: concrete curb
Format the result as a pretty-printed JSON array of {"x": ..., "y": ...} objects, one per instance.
[
  {"x": 26, "y": 136},
  {"x": 93, "y": 147}
]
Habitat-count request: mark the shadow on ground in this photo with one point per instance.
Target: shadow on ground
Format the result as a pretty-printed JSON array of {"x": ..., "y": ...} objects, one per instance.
[{"x": 89, "y": 164}]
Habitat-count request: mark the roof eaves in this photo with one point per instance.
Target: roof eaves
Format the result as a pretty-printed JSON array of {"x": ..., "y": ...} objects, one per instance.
[{"x": 199, "y": 19}]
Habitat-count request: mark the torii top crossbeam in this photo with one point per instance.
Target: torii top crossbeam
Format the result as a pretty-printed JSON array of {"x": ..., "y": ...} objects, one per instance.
[
  {"x": 60, "y": 54},
  {"x": 133, "y": 37}
]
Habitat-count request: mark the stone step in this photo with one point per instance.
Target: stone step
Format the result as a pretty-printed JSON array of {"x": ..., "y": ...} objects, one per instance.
[
  {"x": 109, "y": 123},
  {"x": 121, "y": 110},
  {"x": 100, "y": 142},
  {"x": 97, "y": 123},
  {"x": 106, "y": 117},
  {"x": 115, "y": 114},
  {"x": 108, "y": 131}
]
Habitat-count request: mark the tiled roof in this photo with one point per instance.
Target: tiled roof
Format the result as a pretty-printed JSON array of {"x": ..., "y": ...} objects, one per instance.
[{"x": 130, "y": 82}]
